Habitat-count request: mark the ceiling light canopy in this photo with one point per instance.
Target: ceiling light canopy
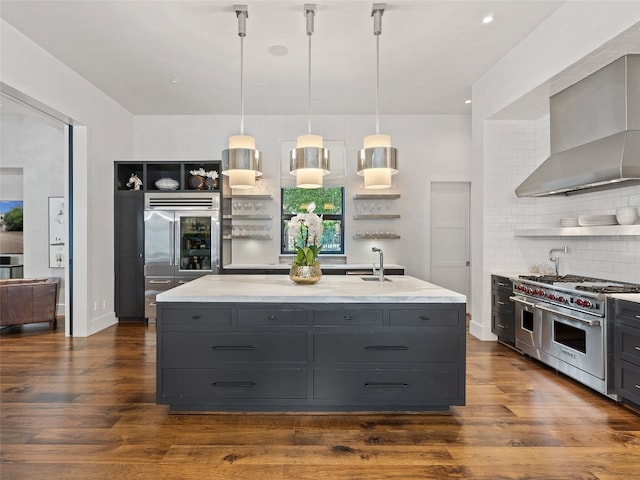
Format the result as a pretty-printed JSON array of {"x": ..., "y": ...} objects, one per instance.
[
  {"x": 241, "y": 162},
  {"x": 378, "y": 160},
  {"x": 309, "y": 161}
]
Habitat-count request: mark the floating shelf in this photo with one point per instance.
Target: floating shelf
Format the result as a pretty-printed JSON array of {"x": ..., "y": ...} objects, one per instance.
[
  {"x": 603, "y": 231},
  {"x": 247, "y": 237},
  {"x": 252, "y": 197},
  {"x": 247, "y": 217},
  {"x": 376, "y": 196},
  {"x": 375, "y": 216},
  {"x": 381, "y": 236}
]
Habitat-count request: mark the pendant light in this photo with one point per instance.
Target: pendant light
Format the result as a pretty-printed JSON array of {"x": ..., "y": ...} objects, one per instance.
[
  {"x": 309, "y": 161},
  {"x": 241, "y": 162},
  {"x": 378, "y": 160}
]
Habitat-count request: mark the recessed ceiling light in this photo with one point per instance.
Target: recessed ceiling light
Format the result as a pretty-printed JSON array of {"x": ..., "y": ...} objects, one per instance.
[
  {"x": 278, "y": 50},
  {"x": 175, "y": 80},
  {"x": 488, "y": 18},
  {"x": 467, "y": 101}
]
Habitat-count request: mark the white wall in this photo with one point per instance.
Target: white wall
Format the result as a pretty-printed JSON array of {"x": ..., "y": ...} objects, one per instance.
[
  {"x": 504, "y": 153},
  {"x": 104, "y": 133},
  {"x": 431, "y": 148},
  {"x": 37, "y": 146}
]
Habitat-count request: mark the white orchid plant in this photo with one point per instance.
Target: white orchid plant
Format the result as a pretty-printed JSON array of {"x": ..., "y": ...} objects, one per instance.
[
  {"x": 308, "y": 228},
  {"x": 201, "y": 172}
]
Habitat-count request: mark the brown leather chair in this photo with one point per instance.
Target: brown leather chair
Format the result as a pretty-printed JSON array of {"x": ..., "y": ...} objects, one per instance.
[{"x": 28, "y": 300}]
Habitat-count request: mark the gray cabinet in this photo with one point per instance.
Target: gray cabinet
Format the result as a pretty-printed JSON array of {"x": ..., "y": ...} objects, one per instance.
[
  {"x": 626, "y": 350},
  {"x": 129, "y": 255},
  {"x": 324, "y": 357},
  {"x": 503, "y": 312}
]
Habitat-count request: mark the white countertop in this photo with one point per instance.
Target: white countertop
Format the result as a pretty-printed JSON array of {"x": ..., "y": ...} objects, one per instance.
[
  {"x": 330, "y": 289},
  {"x": 629, "y": 297},
  {"x": 324, "y": 266}
]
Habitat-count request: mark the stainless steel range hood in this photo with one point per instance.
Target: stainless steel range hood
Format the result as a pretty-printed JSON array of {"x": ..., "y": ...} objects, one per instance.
[{"x": 595, "y": 134}]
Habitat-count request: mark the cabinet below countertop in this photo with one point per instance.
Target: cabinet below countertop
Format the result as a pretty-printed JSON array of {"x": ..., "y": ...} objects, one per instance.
[{"x": 310, "y": 357}]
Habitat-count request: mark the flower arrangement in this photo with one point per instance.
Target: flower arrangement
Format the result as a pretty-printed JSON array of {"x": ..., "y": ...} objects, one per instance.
[
  {"x": 212, "y": 174},
  {"x": 307, "y": 227}
]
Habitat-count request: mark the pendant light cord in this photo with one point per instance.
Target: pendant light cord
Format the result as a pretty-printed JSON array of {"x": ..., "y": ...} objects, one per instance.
[
  {"x": 309, "y": 87},
  {"x": 377, "y": 84},
  {"x": 241, "y": 85}
]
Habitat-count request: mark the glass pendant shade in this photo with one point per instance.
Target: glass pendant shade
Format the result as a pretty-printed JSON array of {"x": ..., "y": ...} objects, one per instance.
[
  {"x": 241, "y": 162},
  {"x": 377, "y": 161},
  {"x": 309, "y": 161}
]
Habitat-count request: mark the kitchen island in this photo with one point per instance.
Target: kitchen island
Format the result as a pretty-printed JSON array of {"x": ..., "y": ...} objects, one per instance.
[{"x": 263, "y": 343}]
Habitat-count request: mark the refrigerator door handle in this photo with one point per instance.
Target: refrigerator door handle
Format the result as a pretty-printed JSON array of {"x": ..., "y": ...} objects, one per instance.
[{"x": 172, "y": 244}]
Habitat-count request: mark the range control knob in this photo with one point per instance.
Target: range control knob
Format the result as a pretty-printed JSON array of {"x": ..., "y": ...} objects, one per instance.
[
  {"x": 552, "y": 296},
  {"x": 561, "y": 299},
  {"x": 586, "y": 303}
]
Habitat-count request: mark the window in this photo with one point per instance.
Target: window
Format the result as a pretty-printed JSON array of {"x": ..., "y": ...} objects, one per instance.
[{"x": 329, "y": 204}]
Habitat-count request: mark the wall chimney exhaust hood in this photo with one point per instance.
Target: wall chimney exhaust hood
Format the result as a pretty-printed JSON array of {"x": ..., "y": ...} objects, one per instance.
[{"x": 595, "y": 134}]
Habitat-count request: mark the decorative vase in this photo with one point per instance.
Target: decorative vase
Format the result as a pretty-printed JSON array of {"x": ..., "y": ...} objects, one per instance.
[
  {"x": 211, "y": 183},
  {"x": 197, "y": 182},
  {"x": 305, "y": 274}
]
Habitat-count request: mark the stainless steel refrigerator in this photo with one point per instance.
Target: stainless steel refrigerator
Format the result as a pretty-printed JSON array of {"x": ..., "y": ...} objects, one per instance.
[{"x": 181, "y": 241}]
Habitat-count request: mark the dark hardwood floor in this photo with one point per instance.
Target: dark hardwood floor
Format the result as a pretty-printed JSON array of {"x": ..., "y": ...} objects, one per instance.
[{"x": 84, "y": 408}]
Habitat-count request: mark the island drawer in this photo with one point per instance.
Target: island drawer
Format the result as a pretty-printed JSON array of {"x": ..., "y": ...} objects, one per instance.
[
  {"x": 276, "y": 316},
  {"x": 348, "y": 316},
  {"x": 627, "y": 312},
  {"x": 234, "y": 383},
  {"x": 426, "y": 317},
  {"x": 196, "y": 316},
  {"x": 627, "y": 343},
  {"x": 386, "y": 346},
  {"x": 424, "y": 386},
  {"x": 627, "y": 381},
  {"x": 209, "y": 348}
]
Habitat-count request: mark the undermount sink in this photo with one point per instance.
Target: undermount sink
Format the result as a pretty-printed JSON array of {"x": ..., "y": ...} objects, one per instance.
[{"x": 373, "y": 279}]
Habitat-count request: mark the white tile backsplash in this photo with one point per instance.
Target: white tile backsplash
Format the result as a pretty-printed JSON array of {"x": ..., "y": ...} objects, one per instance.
[{"x": 512, "y": 150}]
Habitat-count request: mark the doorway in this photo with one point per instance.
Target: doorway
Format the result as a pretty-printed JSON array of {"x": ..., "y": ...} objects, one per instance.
[
  {"x": 450, "y": 254},
  {"x": 36, "y": 144}
]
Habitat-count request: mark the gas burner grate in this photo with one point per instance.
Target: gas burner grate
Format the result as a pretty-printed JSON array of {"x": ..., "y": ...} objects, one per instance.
[
  {"x": 551, "y": 279},
  {"x": 609, "y": 288}
]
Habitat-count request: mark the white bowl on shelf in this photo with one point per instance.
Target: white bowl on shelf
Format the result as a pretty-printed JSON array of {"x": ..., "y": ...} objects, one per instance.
[
  {"x": 167, "y": 184},
  {"x": 627, "y": 215}
]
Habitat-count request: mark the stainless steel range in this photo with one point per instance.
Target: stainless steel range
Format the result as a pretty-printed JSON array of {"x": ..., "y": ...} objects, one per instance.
[{"x": 562, "y": 321}]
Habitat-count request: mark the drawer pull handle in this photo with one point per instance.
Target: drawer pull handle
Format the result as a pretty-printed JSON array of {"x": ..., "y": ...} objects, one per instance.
[
  {"x": 386, "y": 385},
  {"x": 348, "y": 317},
  {"x": 159, "y": 282},
  {"x": 233, "y": 347},
  {"x": 273, "y": 317},
  {"x": 638, "y": 317},
  {"x": 152, "y": 304},
  {"x": 637, "y": 386},
  {"x": 195, "y": 317},
  {"x": 500, "y": 303},
  {"x": 424, "y": 317},
  {"x": 502, "y": 284},
  {"x": 386, "y": 347},
  {"x": 233, "y": 384},
  {"x": 501, "y": 326},
  {"x": 637, "y": 347}
]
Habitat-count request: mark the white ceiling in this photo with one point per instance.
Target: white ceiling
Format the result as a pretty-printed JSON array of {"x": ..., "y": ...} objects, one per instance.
[{"x": 183, "y": 57}]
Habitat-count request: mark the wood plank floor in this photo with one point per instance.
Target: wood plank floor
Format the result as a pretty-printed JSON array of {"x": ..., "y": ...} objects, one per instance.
[{"x": 84, "y": 408}]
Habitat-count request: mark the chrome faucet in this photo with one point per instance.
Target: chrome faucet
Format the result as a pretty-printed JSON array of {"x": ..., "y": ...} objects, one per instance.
[
  {"x": 380, "y": 271},
  {"x": 556, "y": 260}
]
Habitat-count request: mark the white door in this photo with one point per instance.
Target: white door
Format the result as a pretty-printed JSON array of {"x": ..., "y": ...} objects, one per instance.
[{"x": 450, "y": 265}]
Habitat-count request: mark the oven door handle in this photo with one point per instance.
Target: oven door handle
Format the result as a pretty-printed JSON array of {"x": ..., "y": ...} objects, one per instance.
[
  {"x": 591, "y": 323},
  {"x": 522, "y": 301}
]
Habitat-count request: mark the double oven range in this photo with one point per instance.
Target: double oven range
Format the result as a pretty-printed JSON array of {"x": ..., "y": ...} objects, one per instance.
[{"x": 561, "y": 320}]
